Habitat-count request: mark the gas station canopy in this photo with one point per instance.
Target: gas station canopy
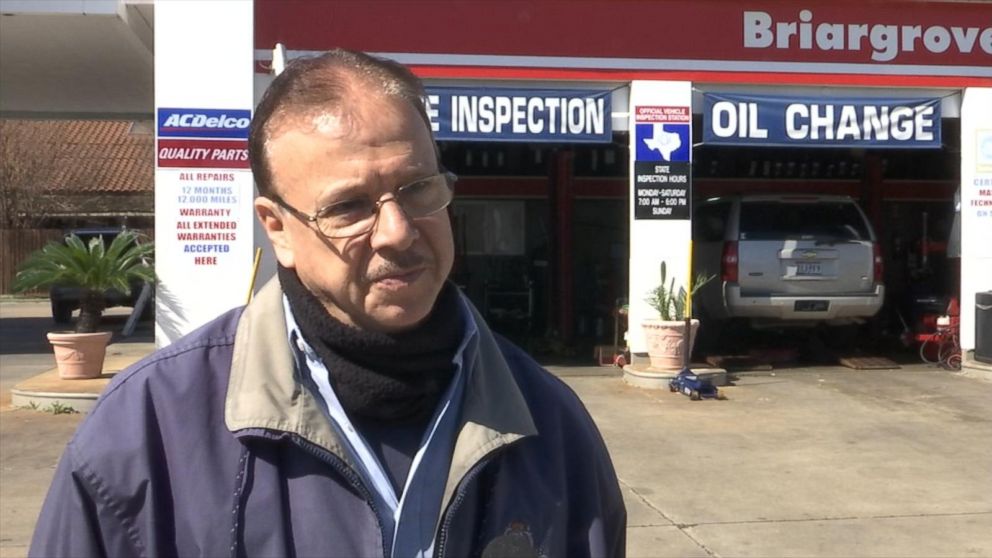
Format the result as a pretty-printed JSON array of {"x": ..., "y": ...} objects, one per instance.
[{"x": 77, "y": 58}]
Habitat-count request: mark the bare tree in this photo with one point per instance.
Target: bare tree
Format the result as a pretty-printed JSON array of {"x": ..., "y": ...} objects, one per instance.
[{"x": 27, "y": 162}]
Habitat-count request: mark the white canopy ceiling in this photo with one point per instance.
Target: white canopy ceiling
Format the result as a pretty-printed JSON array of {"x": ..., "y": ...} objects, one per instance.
[{"x": 77, "y": 58}]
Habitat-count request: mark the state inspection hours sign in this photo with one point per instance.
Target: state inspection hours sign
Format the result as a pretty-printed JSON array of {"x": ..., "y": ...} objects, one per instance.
[
  {"x": 662, "y": 153},
  {"x": 662, "y": 190}
]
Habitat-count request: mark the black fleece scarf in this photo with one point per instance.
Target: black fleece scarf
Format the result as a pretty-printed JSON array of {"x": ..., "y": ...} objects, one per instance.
[{"x": 382, "y": 376}]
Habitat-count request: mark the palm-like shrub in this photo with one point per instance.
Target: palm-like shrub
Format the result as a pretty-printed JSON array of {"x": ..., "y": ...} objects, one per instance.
[
  {"x": 93, "y": 268},
  {"x": 669, "y": 302}
]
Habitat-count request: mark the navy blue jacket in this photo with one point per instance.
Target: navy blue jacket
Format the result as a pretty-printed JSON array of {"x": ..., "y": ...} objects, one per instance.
[{"x": 214, "y": 447}]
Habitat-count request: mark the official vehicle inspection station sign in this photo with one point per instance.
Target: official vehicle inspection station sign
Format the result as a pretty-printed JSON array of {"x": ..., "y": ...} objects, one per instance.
[{"x": 662, "y": 174}]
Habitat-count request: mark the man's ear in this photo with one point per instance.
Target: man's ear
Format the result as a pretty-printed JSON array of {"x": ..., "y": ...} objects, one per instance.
[{"x": 271, "y": 216}]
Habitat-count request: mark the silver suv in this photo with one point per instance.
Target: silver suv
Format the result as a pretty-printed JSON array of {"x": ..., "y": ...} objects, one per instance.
[{"x": 787, "y": 260}]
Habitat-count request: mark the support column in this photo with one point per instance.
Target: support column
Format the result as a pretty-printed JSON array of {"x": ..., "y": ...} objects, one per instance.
[
  {"x": 660, "y": 197},
  {"x": 204, "y": 215},
  {"x": 562, "y": 209},
  {"x": 872, "y": 193},
  {"x": 976, "y": 210}
]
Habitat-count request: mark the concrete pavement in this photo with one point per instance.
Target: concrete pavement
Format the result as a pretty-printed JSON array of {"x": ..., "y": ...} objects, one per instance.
[
  {"x": 797, "y": 462},
  {"x": 804, "y": 462},
  {"x": 31, "y": 442},
  {"x": 30, "y": 445},
  {"x": 24, "y": 351}
]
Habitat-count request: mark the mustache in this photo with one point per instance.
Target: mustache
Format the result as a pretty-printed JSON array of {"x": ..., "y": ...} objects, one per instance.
[{"x": 398, "y": 264}]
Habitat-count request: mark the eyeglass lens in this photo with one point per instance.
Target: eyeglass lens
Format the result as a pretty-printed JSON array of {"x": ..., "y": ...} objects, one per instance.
[{"x": 354, "y": 217}]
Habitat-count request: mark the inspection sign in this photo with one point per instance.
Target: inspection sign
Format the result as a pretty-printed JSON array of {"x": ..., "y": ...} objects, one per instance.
[
  {"x": 509, "y": 114},
  {"x": 662, "y": 170}
]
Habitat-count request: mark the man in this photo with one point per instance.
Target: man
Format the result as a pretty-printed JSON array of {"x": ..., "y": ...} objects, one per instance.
[{"x": 359, "y": 406}]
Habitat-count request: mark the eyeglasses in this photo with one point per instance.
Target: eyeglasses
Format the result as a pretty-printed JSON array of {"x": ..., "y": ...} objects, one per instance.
[{"x": 345, "y": 219}]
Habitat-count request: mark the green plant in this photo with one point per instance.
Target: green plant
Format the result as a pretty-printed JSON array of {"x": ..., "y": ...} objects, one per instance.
[
  {"x": 669, "y": 303},
  {"x": 57, "y": 408},
  {"x": 93, "y": 268}
]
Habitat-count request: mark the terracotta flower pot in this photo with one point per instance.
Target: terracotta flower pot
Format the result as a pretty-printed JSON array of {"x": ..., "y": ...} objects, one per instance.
[
  {"x": 79, "y": 356},
  {"x": 666, "y": 342}
]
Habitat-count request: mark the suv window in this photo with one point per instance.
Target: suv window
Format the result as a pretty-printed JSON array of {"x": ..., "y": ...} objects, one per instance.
[
  {"x": 710, "y": 222},
  {"x": 770, "y": 220}
]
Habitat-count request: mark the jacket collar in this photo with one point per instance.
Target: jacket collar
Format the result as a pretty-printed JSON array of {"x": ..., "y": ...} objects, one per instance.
[
  {"x": 264, "y": 391},
  {"x": 494, "y": 412}
]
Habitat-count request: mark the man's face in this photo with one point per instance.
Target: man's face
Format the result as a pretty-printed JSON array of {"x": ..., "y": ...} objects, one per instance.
[{"x": 383, "y": 280}]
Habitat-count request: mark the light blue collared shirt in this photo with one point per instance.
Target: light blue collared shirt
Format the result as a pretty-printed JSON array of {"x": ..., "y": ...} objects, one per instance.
[{"x": 408, "y": 519}]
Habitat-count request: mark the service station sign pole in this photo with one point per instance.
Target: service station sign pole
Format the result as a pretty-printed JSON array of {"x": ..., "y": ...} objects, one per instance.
[
  {"x": 976, "y": 205},
  {"x": 204, "y": 72},
  {"x": 661, "y": 195}
]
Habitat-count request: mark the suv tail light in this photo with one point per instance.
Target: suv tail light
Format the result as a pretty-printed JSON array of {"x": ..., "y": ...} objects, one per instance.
[
  {"x": 728, "y": 262},
  {"x": 877, "y": 263}
]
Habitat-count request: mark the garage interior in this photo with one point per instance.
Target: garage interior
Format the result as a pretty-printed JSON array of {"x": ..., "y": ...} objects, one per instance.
[
  {"x": 908, "y": 196},
  {"x": 542, "y": 241}
]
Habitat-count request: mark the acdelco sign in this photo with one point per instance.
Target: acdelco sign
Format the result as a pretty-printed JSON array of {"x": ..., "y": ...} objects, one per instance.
[
  {"x": 203, "y": 123},
  {"x": 885, "y": 42}
]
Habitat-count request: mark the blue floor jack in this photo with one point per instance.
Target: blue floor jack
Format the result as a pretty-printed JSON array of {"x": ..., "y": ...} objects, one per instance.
[{"x": 688, "y": 383}]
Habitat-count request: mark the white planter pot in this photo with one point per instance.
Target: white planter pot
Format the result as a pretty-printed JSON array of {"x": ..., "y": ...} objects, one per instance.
[
  {"x": 79, "y": 356},
  {"x": 666, "y": 342}
]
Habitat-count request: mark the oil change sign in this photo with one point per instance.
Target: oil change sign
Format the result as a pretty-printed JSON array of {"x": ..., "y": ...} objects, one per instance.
[
  {"x": 533, "y": 115},
  {"x": 731, "y": 119}
]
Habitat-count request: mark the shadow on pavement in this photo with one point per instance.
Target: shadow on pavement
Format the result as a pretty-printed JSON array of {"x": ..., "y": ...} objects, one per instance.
[{"x": 26, "y": 335}]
